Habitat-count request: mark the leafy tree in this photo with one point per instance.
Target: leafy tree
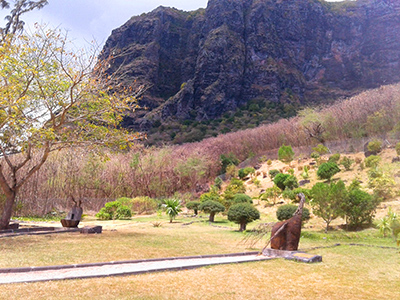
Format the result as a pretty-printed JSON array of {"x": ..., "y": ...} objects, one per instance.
[
  {"x": 195, "y": 205},
  {"x": 243, "y": 173},
  {"x": 285, "y": 154},
  {"x": 212, "y": 207},
  {"x": 327, "y": 200},
  {"x": 173, "y": 208},
  {"x": 327, "y": 170},
  {"x": 51, "y": 99},
  {"x": 242, "y": 214},
  {"x": 374, "y": 146},
  {"x": 285, "y": 212},
  {"x": 212, "y": 195},
  {"x": 271, "y": 193},
  {"x": 359, "y": 208},
  {"x": 235, "y": 186},
  {"x": 292, "y": 194}
]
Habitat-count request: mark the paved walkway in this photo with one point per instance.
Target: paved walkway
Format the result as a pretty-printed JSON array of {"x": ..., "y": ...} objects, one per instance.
[{"x": 32, "y": 274}]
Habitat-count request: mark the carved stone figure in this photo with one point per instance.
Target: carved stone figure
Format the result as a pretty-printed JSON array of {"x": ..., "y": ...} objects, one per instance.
[
  {"x": 285, "y": 235},
  {"x": 74, "y": 216}
]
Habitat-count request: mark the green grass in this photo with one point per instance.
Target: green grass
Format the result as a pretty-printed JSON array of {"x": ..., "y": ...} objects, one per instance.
[{"x": 347, "y": 272}]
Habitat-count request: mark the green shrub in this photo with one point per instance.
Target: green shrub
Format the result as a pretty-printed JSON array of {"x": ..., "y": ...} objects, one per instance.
[
  {"x": 375, "y": 146},
  {"x": 242, "y": 214},
  {"x": 211, "y": 207},
  {"x": 315, "y": 155},
  {"x": 114, "y": 211},
  {"x": 285, "y": 154},
  {"x": 397, "y": 148},
  {"x": 321, "y": 149},
  {"x": 327, "y": 170},
  {"x": 242, "y": 198},
  {"x": 285, "y": 212},
  {"x": 123, "y": 213},
  {"x": 382, "y": 183},
  {"x": 273, "y": 173},
  {"x": 284, "y": 181},
  {"x": 236, "y": 186},
  {"x": 194, "y": 205},
  {"x": 226, "y": 160},
  {"x": 305, "y": 174},
  {"x": 334, "y": 158},
  {"x": 141, "y": 205},
  {"x": 359, "y": 208},
  {"x": 243, "y": 173},
  {"x": 212, "y": 195},
  {"x": 218, "y": 183},
  {"x": 346, "y": 162},
  {"x": 372, "y": 161}
]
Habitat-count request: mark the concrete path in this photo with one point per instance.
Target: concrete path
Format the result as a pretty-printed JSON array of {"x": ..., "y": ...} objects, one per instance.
[{"x": 32, "y": 274}]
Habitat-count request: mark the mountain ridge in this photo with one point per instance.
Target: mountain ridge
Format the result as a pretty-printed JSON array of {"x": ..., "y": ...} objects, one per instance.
[{"x": 199, "y": 65}]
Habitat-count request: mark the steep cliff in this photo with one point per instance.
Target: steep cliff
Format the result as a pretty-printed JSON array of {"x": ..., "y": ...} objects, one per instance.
[{"x": 201, "y": 64}]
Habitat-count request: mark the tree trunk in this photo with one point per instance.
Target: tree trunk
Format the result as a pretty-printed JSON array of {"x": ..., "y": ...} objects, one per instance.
[
  {"x": 211, "y": 219},
  {"x": 242, "y": 226},
  {"x": 7, "y": 211}
]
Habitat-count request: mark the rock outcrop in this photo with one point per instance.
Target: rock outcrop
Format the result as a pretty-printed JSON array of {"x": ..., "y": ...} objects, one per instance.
[{"x": 200, "y": 64}]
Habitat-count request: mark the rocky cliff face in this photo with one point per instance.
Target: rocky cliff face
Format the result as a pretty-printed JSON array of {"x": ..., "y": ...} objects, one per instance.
[{"x": 201, "y": 64}]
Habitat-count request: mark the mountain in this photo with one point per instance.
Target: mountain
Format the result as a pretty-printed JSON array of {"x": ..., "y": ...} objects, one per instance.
[{"x": 204, "y": 64}]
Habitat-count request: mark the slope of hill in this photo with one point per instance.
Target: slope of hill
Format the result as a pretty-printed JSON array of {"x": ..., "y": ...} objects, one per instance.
[{"x": 257, "y": 58}]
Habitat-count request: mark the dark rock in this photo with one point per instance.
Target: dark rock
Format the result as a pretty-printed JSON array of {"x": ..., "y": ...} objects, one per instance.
[
  {"x": 91, "y": 229},
  {"x": 304, "y": 182},
  {"x": 201, "y": 64},
  {"x": 313, "y": 163}
]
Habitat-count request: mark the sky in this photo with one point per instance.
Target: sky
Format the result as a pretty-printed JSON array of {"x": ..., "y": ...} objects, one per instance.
[{"x": 88, "y": 20}]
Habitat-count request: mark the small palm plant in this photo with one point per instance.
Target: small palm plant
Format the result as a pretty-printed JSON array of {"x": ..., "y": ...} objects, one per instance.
[
  {"x": 173, "y": 208},
  {"x": 384, "y": 226}
]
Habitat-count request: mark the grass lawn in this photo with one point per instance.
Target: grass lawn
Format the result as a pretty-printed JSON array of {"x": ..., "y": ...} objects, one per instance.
[{"x": 347, "y": 272}]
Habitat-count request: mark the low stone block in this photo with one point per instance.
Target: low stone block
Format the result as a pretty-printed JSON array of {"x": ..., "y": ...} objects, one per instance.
[{"x": 91, "y": 229}]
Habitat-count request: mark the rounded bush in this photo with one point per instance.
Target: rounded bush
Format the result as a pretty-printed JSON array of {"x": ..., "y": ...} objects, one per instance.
[
  {"x": 273, "y": 173},
  {"x": 243, "y": 173},
  {"x": 242, "y": 214},
  {"x": 375, "y": 146},
  {"x": 285, "y": 153},
  {"x": 242, "y": 198},
  {"x": 285, "y": 212},
  {"x": 211, "y": 207},
  {"x": 284, "y": 181},
  {"x": 114, "y": 211},
  {"x": 372, "y": 161},
  {"x": 334, "y": 158},
  {"x": 327, "y": 170},
  {"x": 194, "y": 205}
]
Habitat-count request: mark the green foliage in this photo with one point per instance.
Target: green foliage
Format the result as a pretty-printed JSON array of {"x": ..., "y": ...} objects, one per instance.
[
  {"x": 398, "y": 148},
  {"x": 375, "y": 146},
  {"x": 315, "y": 155},
  {"x": 372, "y": 161},
  {"x": 271, "y": 194},
  {"x": 305, "y": 174},
  {"x": 211, "y": 207},
  {"x": 284, "y": 181},
  {"x": 285, "y": 212},
  {"x": 321, "y": 149},
  {"x": 242, "y": 198},
  {"x": 273, "y": 173},
  {"x": 285, "y": 154},
  {"x": 327, "y": 170},
  {"x": 194, "y": 205},
  {"x": 236, "y": 186},
  {"x": 382, "y": 183},
  {"x": 228, "y": 159},
  {"x": 334, "y": 158},
  {"x": 212, "y": 195},
  {"x": 242, "y": 214},
  {"x": 346, "y": 162},
  {"x": 114, "y": 211},
  {"x": 327, "y": 200},
  {"x": 292, "y": 194},
  {"x": 243, "y": 173},
  {"x": 383, "y": 225},
  {"x": 172, "y": 208},
  {"x": 359, "y": 208},
  {"x": 218, "y": 183}
]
